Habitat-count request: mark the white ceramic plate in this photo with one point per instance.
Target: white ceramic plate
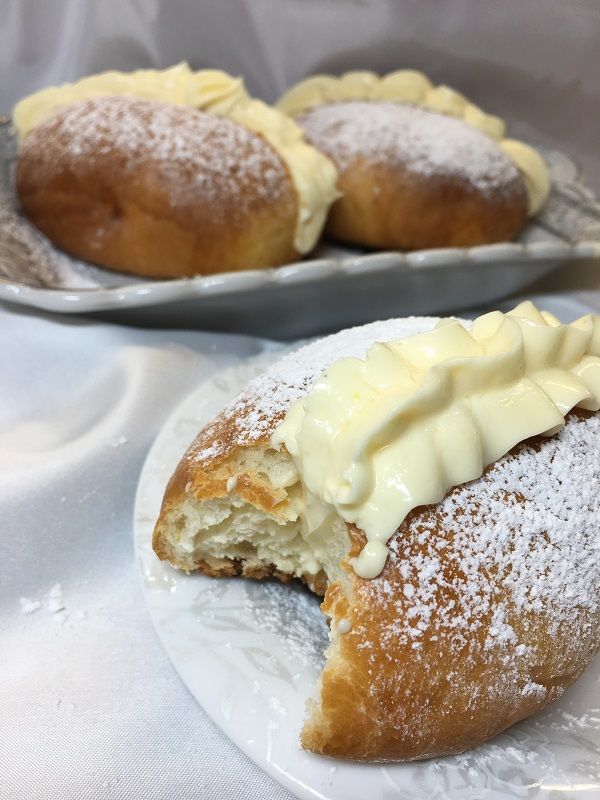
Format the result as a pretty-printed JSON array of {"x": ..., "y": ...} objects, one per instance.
[
  {"x": 335, "y": 288},
  {"x": 250, "y": 653}
]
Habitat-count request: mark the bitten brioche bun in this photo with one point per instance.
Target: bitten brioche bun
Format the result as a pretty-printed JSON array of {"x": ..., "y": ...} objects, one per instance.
[
  {"x": 487, "y": 607},
  {"x": 169, "y": 173},
  {"x": 412, "y": 178}
]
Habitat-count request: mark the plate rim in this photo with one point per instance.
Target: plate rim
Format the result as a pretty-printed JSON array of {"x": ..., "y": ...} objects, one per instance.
[{"x": 150, "y": 293}]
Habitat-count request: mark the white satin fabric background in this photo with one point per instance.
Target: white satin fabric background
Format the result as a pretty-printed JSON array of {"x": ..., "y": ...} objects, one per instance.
[{"x": 90, "y": 706}]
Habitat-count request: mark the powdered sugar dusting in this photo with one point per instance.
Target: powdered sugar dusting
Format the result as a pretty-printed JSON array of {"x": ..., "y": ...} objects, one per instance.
[
  {"x": 258, "y": 410},
  {"x": 288, "y": 613},
  {"x": 191, "y": 153},
  {"x": 529, "y": 549},
  {"x": 291, "y": 613},
  {"x": 425, "y": 142}
]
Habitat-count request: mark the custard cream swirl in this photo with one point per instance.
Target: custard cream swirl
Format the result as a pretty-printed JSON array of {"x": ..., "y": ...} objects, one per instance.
[{"x": 375, "y": 438}]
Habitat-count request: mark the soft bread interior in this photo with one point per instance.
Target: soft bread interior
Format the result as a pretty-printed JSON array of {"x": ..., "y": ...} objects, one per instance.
[
  {"x": 248, "y": 515},
  {"x": 250, "y": 518}
]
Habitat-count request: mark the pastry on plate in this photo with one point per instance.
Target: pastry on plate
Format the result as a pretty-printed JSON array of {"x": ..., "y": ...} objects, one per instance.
[
  {"x": 169, "y": 173},
  {"x": 437, "y": 482},
  {"x": 420, "y": 166}
]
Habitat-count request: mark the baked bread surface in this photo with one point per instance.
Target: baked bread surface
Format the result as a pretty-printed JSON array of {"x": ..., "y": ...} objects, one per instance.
[
  {"x": 157, "y": 190},
  {"x": 412, "y": 178},
  {"x": 486, "y": 610}
]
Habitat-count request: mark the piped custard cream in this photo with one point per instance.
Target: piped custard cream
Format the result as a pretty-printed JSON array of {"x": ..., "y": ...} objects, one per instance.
[
  {"x": 375, "y": 438},
  {"x": 313, "y": 174},
  {"x": 411, "y": 86}
]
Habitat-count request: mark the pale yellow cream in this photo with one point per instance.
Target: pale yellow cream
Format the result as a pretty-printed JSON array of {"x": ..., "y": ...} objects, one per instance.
[
  {"x": 411, "y": 86},
  {"x": 375, "y": 438},
  {"x": 313, "y": 174}
]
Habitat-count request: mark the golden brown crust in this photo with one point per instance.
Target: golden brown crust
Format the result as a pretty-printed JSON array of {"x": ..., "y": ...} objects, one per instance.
[
  {"x": 392, "y": 208},
  {"x": 195, "y": 193},
  {"x": 204, "y": 483},
  {"x": 388, "y": 202}
]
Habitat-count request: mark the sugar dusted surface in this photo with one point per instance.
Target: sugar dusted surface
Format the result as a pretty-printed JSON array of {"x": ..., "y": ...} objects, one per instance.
[
  {"x": 532, "y": 547},
  {"x": 424, "y": 142},
  {"x": 257, "y": 411},
  {"x": 196, "y": 152}
]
